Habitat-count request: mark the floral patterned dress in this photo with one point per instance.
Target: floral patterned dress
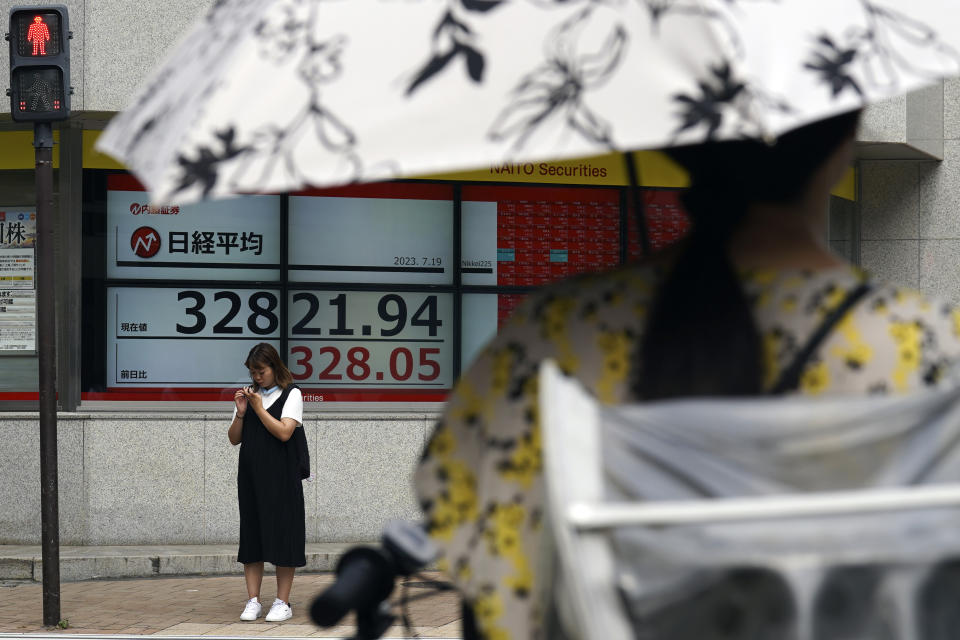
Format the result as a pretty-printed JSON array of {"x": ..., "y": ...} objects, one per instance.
[{"x": 480, "y": 479}]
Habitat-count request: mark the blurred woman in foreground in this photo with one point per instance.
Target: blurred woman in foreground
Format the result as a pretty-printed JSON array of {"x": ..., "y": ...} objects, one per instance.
[{"x": 752, "y": 303}]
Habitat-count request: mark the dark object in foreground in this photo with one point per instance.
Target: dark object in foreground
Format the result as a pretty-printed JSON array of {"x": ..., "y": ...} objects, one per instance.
[{"x": 365, "y": 579}]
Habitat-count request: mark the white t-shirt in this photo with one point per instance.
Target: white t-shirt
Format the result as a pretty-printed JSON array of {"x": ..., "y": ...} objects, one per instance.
[{"x": 292, "y": 408}]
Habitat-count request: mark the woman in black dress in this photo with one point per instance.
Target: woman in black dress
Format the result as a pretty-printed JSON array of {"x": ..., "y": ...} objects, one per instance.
[{"x": 269, "y": 485}]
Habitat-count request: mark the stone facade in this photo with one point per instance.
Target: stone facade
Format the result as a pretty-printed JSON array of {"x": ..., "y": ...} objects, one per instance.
[
  {"x": 169, "y": 478},
  {"x": 910, "y": 208}
]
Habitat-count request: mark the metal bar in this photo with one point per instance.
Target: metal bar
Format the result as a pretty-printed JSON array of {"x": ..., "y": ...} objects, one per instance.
[
  {"x": 636, "y": 199},
  {"x": 47, "y": 356},
  {"x": 457, "y": 279},
  {"x": 855, "y": 230},
  {"x": 284, "y": 274},
  {"x": 69, "y": 265},
  {"x": 608, "y": 516},
  {"x": 127, "y": 636},
  {"x": 624, "y": 227}
]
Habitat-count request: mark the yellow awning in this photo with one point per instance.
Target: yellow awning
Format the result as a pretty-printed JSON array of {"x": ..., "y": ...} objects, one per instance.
[{"x": 654, "y": 168}]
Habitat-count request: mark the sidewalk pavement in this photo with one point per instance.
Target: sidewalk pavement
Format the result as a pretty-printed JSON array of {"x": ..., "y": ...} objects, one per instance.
[
  {"x": 204, "y": 605},
  {"x": 24, "y": 562},
  {"x": 186, "y": 590}
]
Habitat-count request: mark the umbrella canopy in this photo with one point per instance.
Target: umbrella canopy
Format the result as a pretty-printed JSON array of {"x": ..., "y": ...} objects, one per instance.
[{"x": 274, "y": 95}]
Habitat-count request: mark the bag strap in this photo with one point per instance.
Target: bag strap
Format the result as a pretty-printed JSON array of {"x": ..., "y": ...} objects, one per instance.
[
  {"x": 282, "y": 399},
  {"x": 789, "y": 379},
  {"x": 286, "y": 392}
]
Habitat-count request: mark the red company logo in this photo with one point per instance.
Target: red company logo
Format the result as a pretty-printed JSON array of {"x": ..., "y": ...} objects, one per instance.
[
  {"x": 145, "y": 242},
  {"x": 138, "y": 209}
]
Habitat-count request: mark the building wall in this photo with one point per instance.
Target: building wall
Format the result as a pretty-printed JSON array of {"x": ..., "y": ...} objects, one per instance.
[
  {"x": 116, "y": 43},
  {"x": 910, "y": 208},
  {"x": 167, "y": 478},
  {"x": 170, "y": 478}
]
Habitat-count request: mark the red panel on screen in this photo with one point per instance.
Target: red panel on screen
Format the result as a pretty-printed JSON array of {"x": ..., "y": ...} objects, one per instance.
[
  {"x": 392, "y": 190},
  {"x": 506, "y": 304},
  {"x": 226, "y": 395},
  {"x": 545, "y": 234},
  {"x": 495, "y": 193},
  {"x": 123, "y": 182},
  {"x": 12, "y": 396},
  {"x": 667, "y": 221}
]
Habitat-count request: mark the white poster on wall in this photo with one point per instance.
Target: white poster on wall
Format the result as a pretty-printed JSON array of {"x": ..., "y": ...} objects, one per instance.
[
  {"x": 371, "y": 240},
  {"x": 17, "y": 268},
  {"x": 479, "y": 322},
  {"x": 186, "y": 337},
  {"x": 371, "y": 339},
  {"x": 18, "y": 299},
  {"x": 478, "y": 252},
  {"x": 18, "y": 237},
  {"x": 18, "y": 321},
  {"x": 235, "y": 239}
]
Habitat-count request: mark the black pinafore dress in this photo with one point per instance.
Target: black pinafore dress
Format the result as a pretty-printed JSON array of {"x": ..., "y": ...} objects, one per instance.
[{"x": 270, "y": 492}]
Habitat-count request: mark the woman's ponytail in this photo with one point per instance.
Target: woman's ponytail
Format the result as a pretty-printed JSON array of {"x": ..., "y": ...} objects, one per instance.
[{"x": 701, "y": 338}]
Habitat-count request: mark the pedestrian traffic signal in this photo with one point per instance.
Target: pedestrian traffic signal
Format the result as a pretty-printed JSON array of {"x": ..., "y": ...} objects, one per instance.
[{"x": 39, "y": 63}]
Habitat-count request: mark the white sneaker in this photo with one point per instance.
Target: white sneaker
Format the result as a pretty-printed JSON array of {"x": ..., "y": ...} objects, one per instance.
[
  {"x": 252, "y": 610},
  {"x": 279, "y": 612}
]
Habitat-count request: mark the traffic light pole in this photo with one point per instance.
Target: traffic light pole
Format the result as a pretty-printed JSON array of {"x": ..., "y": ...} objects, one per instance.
[
  {"x": 39, "y": 38},
  {"x": 47, "y": 356}
]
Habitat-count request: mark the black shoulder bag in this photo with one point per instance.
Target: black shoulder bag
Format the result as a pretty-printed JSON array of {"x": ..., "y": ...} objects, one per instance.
[{"x": 299, "y": 438}]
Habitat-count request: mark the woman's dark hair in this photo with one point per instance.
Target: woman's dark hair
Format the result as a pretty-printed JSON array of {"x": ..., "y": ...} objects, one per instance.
[
  {"x": 264, "y": 354},
  {"x": 701, "y": 338}
]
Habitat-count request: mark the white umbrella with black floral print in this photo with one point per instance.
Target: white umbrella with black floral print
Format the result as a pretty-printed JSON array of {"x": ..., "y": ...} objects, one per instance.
[{"x": 274, "y": 95}]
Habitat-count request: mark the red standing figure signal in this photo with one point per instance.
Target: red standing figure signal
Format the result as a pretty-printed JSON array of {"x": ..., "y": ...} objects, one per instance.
[{"x": 38, "y": 34}]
